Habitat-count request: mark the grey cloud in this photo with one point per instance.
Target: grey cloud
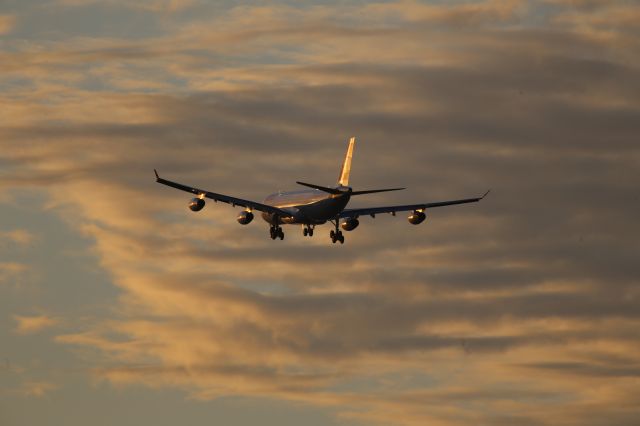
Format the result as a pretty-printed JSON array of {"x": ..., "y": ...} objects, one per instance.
[
  {"x": 353, "y": 323},
  {"x": 587, "y": 369},
  {"x": 543, "y": 117},
  {"x": 261, "y": 373}
]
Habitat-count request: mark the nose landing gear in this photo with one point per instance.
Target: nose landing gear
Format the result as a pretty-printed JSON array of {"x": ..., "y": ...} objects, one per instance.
[{"x": 307, "y": 230}]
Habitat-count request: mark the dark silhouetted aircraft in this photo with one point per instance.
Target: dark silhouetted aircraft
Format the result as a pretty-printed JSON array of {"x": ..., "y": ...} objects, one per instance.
[{"x": 313, "y": 206}]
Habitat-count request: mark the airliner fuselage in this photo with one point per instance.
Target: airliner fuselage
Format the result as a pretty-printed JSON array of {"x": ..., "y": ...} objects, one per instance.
[{"x": 313, "y": 207}]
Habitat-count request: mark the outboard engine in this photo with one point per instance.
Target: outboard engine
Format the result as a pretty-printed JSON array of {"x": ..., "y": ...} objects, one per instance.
[
  {"x": 350, "y": 224},
  {"x": 245, "y": 217},
  {"x": 416, "y": 217},
  {"x": 196, "y": 204}
]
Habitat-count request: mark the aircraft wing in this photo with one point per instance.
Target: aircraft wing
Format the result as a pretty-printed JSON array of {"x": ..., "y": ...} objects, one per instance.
[
  {"x": 372, "y": 211},
  {"x": 224, "y": 198}
]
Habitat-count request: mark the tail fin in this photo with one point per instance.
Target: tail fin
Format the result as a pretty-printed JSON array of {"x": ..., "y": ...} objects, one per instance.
[{"x": 346, "y": 166}]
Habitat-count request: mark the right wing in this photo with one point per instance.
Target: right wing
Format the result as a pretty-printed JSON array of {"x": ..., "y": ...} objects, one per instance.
[
  {"x": 224, "y": 198},
  {"x": 372, "y": 211}
]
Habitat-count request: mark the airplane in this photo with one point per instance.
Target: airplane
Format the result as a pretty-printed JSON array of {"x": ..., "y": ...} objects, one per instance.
[{"x": 314, "y": 206}]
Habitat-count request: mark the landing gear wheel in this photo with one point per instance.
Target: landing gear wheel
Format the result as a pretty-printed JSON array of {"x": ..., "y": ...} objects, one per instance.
[
  {"x": 337, "y": 234},
  {"x": 305, "y": 232},
  {"x": 310, "y": 232},
  {"x": 276, "y": 232}
]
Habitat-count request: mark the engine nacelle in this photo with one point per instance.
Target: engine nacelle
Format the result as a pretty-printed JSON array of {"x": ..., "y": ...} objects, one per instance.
[
  {"x": 196, "y": 204},
  {"x": 416, "y": 217},
  {"x": 350, "y": 224},
  {"x": 244, "y": 218}
]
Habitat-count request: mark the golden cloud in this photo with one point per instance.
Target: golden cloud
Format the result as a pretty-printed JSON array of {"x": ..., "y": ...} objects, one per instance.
[
  {"x": 36, "y": 389},
  {"x": 33, "y": 324},
  {"x": 17, "y": 237},
  {"x": 148, "y": 5},
  {"x": 7, "y": 24},
  {"x": 509, "y": 312},
  {"x": 12, "y": 271}
]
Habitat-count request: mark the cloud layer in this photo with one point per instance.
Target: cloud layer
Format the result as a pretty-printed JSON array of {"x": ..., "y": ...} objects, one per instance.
[{"x": 522, "y": 309}]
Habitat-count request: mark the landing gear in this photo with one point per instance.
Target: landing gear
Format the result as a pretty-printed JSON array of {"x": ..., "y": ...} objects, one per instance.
[
  {"x": 337, "y": 234},
  {"x": 307, "y": 230},
  {"x": 276, "y": 232}
]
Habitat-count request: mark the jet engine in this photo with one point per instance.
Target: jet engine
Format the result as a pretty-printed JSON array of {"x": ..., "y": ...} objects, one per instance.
[
  {"x": 245, "y": 217},
  {"x": 196, "y": 204},
  {"x": 416, "y": 217},
  {"x": 350, "y": 224}
]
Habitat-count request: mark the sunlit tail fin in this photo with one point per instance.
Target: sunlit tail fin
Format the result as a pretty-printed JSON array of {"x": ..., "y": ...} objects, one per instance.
[{"x": 346, "y": 166}]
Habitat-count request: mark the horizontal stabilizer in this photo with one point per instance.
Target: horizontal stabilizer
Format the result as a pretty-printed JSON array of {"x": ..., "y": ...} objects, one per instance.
[
  {"x": 373, "y": 191},
  {"x": 321, "y": 188},
  {"x": 336, "y": 191}
]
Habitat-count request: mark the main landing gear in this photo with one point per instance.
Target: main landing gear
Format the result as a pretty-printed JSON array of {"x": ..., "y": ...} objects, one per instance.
[
  {"x": 276, "y": 232},
  {"x": 308, "y": 230},
  {"x": 337, "y": 234}
]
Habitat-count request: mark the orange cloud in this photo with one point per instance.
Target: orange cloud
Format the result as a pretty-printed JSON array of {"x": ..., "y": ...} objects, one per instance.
[
  {"x": 509, "y": 313},
  {"x": 36, "y": 389},
  {"x": 12, "y": 271},
  {"x": 33, "y": 324},
  {"x": 151, "y": 5},
  {"x": 17, "y": 237},
  {"x": 7, "y": 24}
]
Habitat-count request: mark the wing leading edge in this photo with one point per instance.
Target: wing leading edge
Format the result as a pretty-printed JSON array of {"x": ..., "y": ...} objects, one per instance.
[
  {"x": 372, "y": 211},
  {"x": 224, "y": 198}
]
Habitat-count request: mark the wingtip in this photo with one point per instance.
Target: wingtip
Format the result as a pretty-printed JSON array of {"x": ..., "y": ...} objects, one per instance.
[
  {"x": 156, "y": 172},
  {"x": 486, "y": 193}
]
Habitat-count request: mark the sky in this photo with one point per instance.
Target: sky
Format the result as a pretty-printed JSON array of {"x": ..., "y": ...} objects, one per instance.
[{"x": 118, "y": 305}]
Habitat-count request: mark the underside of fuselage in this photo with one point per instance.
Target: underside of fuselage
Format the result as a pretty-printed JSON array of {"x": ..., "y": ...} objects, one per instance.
[{"x": 310, "y": 207}]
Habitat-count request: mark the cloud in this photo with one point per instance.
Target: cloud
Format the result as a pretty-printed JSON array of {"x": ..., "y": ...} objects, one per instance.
[
  {"x": 33, "y": 324},
  {"x": 17, "y": 237},
  {"x": 581, "y": 369},
  {"x": 482, "y": 314},
  {"x": 459, "y": 14},
  {"x": 150, "y": 5},
  {"x": 7, "y": 24},
  {"x": 12, "y": 271},
  {"x": 36, "y": 389}
]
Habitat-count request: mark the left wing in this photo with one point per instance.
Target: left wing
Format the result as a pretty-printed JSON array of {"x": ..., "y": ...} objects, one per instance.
[
  {"x": 372, "y": 211},
  {"x": 224, "y": 198}
]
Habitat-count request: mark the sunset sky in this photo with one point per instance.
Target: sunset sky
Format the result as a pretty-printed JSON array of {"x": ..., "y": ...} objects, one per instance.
[{"x": 119, "y": 306}]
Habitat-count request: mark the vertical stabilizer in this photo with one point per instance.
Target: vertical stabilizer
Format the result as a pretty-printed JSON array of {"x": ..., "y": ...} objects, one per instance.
[{"x": 346, "y": 166}]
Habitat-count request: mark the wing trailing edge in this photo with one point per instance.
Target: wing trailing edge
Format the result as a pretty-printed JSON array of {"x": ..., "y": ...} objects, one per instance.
[
  {"x": 201, "y": 193},
  {"x": 372, "y": 211}
]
